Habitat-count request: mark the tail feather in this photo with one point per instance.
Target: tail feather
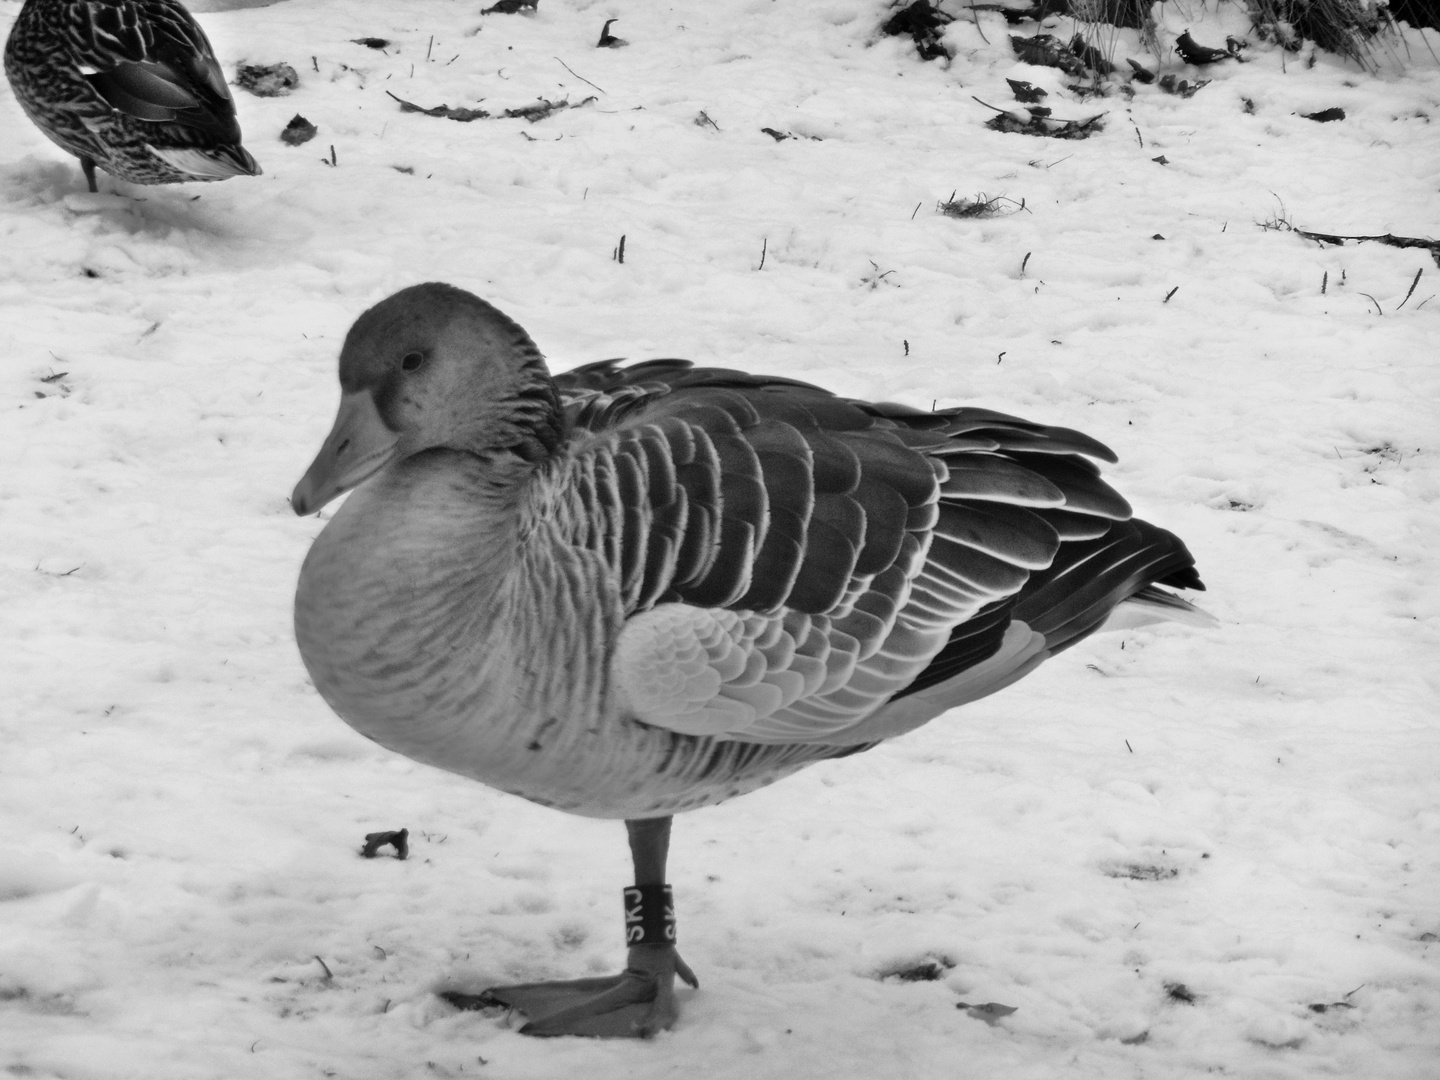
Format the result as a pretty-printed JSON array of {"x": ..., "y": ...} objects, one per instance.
[
  {"x": 1152, "y": 605},
  {"x": 215, "y": 163}
]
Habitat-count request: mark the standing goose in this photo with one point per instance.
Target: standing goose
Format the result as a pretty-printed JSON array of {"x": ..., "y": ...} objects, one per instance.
[
  {"x": 129, "y": 85},
  {"x": 628, "y": 592}
]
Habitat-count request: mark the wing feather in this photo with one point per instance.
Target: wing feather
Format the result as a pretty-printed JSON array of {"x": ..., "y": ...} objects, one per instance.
[
  {"x": 883, "y": 510},
  {"x": 1000, "y": 530},
  {"x": 992, "y": 476},
  {"x": 820, "y": 570}
]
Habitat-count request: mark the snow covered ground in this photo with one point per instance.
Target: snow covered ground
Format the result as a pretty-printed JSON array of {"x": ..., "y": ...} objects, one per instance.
[{"x": 1176, "y": 852}]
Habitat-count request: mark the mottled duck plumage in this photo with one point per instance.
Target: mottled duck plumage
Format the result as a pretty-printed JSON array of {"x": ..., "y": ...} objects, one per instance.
[{"x": 130, "y": 86}]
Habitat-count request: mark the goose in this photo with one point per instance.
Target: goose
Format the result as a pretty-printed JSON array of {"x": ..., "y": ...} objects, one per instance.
[
  {"x": 631, "y": 591},
  {"x": 131, "y": 86}
]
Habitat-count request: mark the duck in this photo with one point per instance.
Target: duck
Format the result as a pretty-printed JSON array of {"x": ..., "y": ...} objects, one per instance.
[
  {"x": 628, "y": 591},
  {"x": 129, "y": 86}
]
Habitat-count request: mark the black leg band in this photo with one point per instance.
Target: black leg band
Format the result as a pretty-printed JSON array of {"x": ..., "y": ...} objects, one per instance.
[{"x": 649, "y": 915}]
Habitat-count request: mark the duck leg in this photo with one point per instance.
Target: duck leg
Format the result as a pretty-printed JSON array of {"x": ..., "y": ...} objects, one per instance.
[
  {"x": 87, "y": 166},
  {"x": 640, "y": 1000}
]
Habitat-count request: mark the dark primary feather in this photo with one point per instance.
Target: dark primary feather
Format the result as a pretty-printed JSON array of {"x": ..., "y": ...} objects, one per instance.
[{"x": 784, "y": 495}]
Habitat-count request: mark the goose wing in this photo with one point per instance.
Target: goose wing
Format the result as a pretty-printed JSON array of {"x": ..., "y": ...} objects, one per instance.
[{"x": 798, "y": 567}]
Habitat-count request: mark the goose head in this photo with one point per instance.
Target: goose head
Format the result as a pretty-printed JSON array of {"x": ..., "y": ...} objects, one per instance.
[{"x": 432, "y": 367}]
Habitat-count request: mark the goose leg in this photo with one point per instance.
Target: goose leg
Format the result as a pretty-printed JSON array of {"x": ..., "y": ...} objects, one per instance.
[
  {"x": 87, "y": 166},
  {"x": 634, "y": 1004}
]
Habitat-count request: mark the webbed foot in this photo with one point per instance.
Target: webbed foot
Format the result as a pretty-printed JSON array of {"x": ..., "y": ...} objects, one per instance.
[{"x": 634, "y": 1004}]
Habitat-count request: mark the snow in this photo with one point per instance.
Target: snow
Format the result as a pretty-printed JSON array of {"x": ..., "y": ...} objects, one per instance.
[{"x": 1248, "y": 816}]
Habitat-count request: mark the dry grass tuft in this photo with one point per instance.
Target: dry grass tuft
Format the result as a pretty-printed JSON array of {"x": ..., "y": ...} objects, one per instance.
[
  {"x": 1359, "y": 30},
  {"x": 980, "y": 206}
]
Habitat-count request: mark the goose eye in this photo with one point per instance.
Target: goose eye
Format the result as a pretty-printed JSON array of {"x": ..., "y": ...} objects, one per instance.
[{"x": 411, "y": 361}]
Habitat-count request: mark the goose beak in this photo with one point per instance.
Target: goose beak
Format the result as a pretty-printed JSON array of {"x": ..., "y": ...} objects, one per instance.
[{"x": 358, "y": 446}]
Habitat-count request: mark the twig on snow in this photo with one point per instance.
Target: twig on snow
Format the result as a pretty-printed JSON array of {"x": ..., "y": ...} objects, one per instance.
[
  {"x": 975, "y": 14},
  {"x": 582, "y": 78},
  {"x": 1411, "y": 290},
  {"x": 1432, "y": 246}
]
